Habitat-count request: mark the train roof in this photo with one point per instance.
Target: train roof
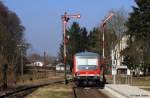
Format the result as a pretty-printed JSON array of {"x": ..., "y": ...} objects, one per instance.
[{"x": 87, "y": 54}]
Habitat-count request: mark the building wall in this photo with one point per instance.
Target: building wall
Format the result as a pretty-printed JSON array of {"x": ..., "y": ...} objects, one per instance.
[{"x": 116, "y": 51}]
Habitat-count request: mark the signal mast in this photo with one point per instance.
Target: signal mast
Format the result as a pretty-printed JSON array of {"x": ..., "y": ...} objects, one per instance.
[
  {"x": 103, "y": 25},
  {"x": 65, "y": 19}
]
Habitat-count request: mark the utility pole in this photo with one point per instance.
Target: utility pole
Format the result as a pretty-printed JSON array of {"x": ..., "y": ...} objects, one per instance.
[
  {"x": 111, "y": 14},
  {"x": 45, "y": 64},
  {"x": 21, "y": 46},
  {"x": 22, "y": 64},
  {"x": 65, "y": 19}
]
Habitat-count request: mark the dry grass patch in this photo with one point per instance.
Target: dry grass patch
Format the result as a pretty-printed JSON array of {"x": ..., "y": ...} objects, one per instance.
[
  {"x": 141, "y": 81},
  {"x": 52, "y": 91}
]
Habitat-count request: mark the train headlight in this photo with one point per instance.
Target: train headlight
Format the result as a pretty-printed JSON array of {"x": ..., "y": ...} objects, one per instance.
[
  {"x": 96, "y": 77},
  {"x": 78, "y": 77}
]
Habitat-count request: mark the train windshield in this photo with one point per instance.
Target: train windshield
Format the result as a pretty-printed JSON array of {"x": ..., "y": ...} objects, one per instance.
[{"x": 88, "y": 63}]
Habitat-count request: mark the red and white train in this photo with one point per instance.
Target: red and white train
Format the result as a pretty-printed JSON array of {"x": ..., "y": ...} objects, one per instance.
[{"x": 86, "y": 68}]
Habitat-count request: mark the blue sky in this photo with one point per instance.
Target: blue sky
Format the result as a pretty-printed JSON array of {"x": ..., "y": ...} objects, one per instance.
[{"x": 42, "y": 18}]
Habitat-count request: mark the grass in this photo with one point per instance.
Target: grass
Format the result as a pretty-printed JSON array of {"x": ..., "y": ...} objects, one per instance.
[
  {"x": 141, "y": 82},
  {"x": 30, "y": 77},
  {"x": 136, "y": 81},
  {"x": 51, "y": 91}
]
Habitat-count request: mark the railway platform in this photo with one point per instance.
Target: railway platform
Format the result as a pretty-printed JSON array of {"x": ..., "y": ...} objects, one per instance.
[{"x": 126, "y": 91}]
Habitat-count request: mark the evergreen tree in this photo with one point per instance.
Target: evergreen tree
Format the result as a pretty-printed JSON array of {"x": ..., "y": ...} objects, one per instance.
[
  {"x": 83, "y": 40},
  {"x": 77, "y": 42},
  {"x": 138, "y": 26},
  {"x": 95, "y": 41}
]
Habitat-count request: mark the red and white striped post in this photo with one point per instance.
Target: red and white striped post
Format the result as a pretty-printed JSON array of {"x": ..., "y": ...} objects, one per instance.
[{"x": 65, "y": 19}]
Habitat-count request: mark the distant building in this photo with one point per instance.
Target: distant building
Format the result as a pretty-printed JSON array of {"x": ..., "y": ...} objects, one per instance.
[
  {"x": 49, "y": 65},
  {"x": 38, "y": 63},
  {"x": 60, "y": 67}
]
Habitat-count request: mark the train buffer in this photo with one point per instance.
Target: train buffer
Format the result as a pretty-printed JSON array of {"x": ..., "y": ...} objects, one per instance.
[{"x": 126, "y": 91}]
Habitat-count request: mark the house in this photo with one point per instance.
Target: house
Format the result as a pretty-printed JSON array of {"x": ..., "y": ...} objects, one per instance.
[
  {"x": 60, "y": 67},
  {"x": 38, "y": 63},
  {"x": 116, "y": 56}
]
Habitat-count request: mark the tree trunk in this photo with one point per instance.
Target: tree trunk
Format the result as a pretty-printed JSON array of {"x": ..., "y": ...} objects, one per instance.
[
  {"x": 5, "y": 69},
  {"x": 144, "y": 71}
]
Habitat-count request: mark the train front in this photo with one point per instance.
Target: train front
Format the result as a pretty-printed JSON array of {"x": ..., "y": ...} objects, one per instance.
[{"x": 86, "y": 68}]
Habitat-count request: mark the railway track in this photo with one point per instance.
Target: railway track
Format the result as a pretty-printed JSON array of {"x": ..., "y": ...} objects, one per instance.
[
  {"x": 25, "y": 90},
  {"x": 88, "y": 92}
]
